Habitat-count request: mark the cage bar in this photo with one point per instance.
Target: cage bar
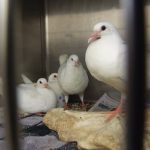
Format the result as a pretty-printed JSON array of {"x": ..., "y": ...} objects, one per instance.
[
  {"x": 8, "y": 69},
  {"x": 136, "y": 74}
]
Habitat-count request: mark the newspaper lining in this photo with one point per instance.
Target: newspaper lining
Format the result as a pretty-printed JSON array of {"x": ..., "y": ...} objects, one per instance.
[{"x": 104, "y": 103}]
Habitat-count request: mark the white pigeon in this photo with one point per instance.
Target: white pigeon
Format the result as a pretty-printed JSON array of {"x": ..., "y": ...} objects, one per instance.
[
  {"x": 55, "y": 86},
  {"x": 106, "y": 58},
  {"x": 72, "y": 77},
  {"x": 34, "y": 99}
]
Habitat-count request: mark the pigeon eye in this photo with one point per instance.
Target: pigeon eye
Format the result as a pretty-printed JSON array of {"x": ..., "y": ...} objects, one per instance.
[
  {"x": 72, "y": 59},
  {"x": 55, "y": 76},
  {"x": 40, "y": 82},
  {"x": 103, "y": 28}
]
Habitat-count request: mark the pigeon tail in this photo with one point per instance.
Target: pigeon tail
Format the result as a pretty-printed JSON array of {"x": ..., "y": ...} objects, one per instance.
[
  {"x": 63, "y": 58},
  {"x": 26, "y": 79}
]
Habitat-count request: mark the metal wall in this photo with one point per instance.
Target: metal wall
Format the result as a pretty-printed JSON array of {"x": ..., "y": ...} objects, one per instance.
[
  {"x": 69, "y": 24},
  {"x": 30, "y": 56}
]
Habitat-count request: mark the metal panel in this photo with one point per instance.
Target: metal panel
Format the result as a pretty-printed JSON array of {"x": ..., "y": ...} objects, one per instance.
[
  {"x": 69, "y": 23},
  {"x": 31, "y": 57}
]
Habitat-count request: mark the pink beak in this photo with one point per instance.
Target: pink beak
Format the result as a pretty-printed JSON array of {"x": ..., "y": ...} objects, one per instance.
[
  {"x": 46, "y": 85},
  {"x": 77, "y": 63},
  {"x": 94, "y": 36}
]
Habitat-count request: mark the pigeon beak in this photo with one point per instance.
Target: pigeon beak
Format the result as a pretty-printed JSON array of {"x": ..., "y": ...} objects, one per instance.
[
  {"x": 77, "y": 63},
  {"x": 94, "y": 36},
  {"x": 35, "y": 85},
  {"x": 46, "y": 85}
]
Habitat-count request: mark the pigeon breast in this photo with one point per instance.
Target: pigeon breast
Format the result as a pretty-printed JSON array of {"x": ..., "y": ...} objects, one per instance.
[{"x": 106, "y": 61}]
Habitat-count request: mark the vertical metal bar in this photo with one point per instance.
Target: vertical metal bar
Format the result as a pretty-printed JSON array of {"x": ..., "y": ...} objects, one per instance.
[
  {"x": 46, "y": 36},
  {"x": 7, "y": 55},
  {"x": 136, "y": 73},
  {"x": 43, "y": 37}
]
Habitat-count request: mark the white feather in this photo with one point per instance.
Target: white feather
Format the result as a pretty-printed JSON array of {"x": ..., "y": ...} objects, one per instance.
[
  {"x": 73, "y": 78},
  {"x": 26, "y": 79},
  {"x": 106, "y": 58},
  {"x": 63, "y": 58},
  {"x": 55, "y": 86},
  {"x": 35, "y": 99}
]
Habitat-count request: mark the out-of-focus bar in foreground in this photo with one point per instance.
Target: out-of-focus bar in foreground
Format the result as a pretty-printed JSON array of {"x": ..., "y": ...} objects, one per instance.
[
  {"x": 7, "y": 53},
  {"x": 136, "y": 73}
]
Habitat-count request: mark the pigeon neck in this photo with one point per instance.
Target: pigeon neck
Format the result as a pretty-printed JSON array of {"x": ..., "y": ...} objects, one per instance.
[{"x": 112, "y": 37}]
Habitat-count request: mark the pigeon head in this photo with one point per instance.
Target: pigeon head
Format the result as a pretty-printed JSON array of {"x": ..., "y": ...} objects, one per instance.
[
  {"x": 100, "y": 30},
  {"x": 74, "y": 60},
  {"x": 42, "y": 83},
  {"x": 53, "y": 77}
]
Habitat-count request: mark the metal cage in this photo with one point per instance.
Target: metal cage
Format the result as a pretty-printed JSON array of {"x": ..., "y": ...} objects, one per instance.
[{"x": 136, "y": 69}]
